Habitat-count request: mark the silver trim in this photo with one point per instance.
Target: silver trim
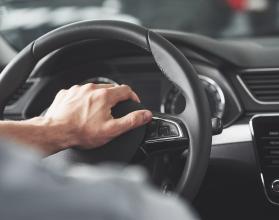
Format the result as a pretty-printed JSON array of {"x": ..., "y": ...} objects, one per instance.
[
  {"x": 272, "y": 185},
  {"x": 233, "y": 134},
  {"x": 238, "y": 77},
  {"x": 265, "y": 192},
  {"x": 180, "y": 132},
  {"x": 210, "y": 81},
  {"x": 252, "y": 70},
  {"x": 219, "y": 90},
  {"x": 256, "y": 116},
  {"x": 262, "y": 115}
]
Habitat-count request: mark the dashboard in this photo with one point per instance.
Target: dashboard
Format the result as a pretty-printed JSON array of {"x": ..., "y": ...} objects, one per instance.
[
  {"x": 138, "y": 71},
  {"x": 240, "y": 79}
]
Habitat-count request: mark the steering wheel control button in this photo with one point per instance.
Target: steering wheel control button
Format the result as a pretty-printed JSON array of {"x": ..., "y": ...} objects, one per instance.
[
  {"x": 152, "y": 130},
  {"x": 168, "y": 129},
  {"x": 275, "y": 186},
  {"x": 162, "y": 129}
]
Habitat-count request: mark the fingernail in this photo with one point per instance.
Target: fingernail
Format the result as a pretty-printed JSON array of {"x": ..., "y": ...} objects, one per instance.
[{"x": 147, "y": 115}]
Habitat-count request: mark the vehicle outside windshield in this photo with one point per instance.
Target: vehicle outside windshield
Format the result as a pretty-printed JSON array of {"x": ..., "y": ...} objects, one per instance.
[{"x": 24, "y": 20}]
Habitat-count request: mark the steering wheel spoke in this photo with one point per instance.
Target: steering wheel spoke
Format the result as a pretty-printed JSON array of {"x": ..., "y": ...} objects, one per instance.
[{"x": 165, "y": 133}]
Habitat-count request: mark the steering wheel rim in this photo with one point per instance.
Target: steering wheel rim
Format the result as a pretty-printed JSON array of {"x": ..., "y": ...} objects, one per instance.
[{"x": 169, "y": 59}]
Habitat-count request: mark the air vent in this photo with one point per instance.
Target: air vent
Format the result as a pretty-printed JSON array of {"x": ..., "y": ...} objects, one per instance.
[
  {"x": 20, "y": 92},
  {"x": 262, "y": 85}
]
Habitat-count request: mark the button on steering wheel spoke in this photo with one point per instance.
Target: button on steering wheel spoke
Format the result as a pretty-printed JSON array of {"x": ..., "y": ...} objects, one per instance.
[{"x": 165, "y": 133}]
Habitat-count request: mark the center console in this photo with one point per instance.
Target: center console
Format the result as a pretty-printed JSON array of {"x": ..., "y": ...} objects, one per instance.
[{"x": 265, "y": 131}]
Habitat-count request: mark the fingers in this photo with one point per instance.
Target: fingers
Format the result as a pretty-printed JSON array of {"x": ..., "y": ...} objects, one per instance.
[
  {"x": 122, "y": 93},
  {"x": 115, "y": 93},
  {"x": 132, "y": 120},
  {"x": 93, "y": 86},
  {"x": 104, "y": 86}
]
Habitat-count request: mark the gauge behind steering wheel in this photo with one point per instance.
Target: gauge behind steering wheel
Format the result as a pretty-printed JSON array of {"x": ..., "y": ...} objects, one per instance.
[{"x": 195, "y": 117}]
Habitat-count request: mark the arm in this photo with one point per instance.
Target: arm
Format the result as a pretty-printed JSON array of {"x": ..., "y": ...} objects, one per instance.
[
  {"x": 80, "y": 116},
  {"x": 39, "y": 133}
]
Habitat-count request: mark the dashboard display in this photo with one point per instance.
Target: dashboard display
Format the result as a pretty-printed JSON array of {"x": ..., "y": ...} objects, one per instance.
[
  {"x": 175, "y": 103},
  {"x": 147, "y": 89},
  {"x": 265, "y": 131}
]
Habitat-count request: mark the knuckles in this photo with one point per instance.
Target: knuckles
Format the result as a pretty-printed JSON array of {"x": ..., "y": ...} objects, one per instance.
[
  {"x": 127, "y": 88},
  {"x": 75, "y": 87},
  {"x": 89, "y": 86},
  {"x": 61, "y": 93},
  {"x": 102, "y": 94}
]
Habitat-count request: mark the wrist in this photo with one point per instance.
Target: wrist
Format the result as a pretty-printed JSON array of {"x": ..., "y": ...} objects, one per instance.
[
  {"x": 54, "y": 135},
  {"x": 41, "y": 133}
]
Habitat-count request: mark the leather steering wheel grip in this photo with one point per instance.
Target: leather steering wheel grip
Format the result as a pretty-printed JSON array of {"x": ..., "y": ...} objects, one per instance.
[{"x": 169, "y": 59}]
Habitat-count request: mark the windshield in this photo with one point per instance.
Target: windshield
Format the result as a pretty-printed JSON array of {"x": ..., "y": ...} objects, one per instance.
[{"x": 24, "y": 20}]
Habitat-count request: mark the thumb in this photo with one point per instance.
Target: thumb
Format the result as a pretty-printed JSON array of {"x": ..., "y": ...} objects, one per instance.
[{"x": 131, "y": 121}]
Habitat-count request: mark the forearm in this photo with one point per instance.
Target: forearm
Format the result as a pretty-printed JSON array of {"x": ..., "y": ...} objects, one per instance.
[
  {"x": 39, "y": 133},
  {"x": 80, "y": 116}
]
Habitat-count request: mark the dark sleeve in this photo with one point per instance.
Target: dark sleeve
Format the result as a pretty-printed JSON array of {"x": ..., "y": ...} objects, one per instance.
[{"x": 29, "y": 190}]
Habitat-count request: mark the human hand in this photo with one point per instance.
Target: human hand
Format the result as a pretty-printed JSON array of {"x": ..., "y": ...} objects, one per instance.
[{"x": 82, "y": 115}]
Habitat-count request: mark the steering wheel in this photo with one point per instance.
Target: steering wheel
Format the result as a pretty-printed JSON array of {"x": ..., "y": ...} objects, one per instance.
[{"x": 192, "y": 125}]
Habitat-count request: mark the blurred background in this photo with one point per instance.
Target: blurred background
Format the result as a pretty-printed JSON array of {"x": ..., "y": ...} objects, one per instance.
[{"x": 24, "y": 20}]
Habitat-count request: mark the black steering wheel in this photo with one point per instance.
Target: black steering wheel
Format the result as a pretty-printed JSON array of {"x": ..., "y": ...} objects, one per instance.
[{"x": 192, "y": 125}]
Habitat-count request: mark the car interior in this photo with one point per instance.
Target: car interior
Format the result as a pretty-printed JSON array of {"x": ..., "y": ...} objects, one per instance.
[{"x": 208, "y": 70}]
